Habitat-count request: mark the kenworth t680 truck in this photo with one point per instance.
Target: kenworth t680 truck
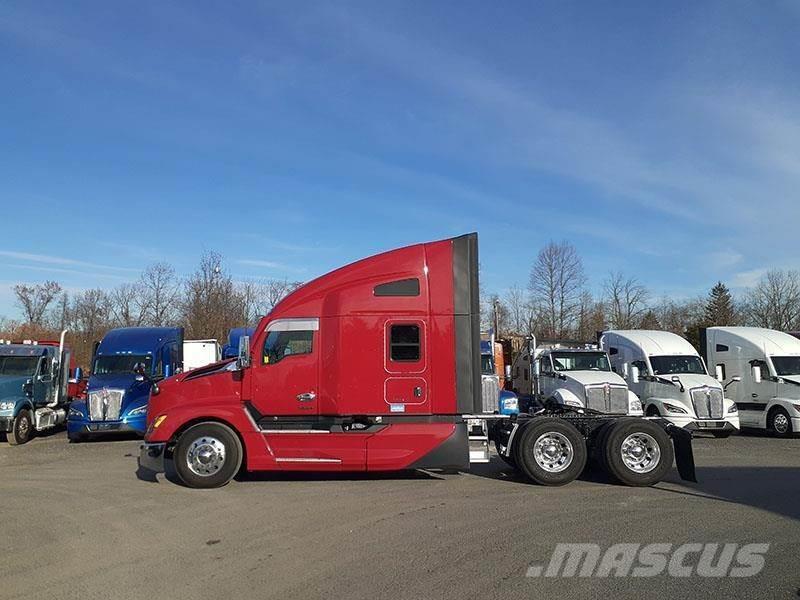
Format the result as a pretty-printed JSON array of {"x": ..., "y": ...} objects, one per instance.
[
  {"x": 126, "y": 364},
  {"x": 376, "y": 367}
]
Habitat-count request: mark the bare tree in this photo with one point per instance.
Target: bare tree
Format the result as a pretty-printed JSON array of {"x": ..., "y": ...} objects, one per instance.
[
  {"x": 34, "y": 299},
  {"x": 212, "y": 304},
  {"x": 774, "y": 302},
  {"x": 679, "y": 316},
  {"x": 591, "y": 318},
  {"x": 128, "y": 305},
  {"x": 520, "y": 317},
  {"x": 625, "y": 299},
  {"x": 556, "y": 285},
  {"x": 91, "y": 312},
  {"x": 159, "y": 290}
]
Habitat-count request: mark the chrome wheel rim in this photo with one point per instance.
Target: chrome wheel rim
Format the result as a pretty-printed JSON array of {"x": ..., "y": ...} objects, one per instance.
[
  {"x": 553, "y": 452},
  {"x": 640, "y": 452},
  {"x": 206, "y": 456},
  {"x": 780, "y": 423},
  {"x": 23, "y": 428}
]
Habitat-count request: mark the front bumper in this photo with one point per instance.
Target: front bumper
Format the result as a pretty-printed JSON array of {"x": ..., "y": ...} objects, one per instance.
[
  {"x": 6, "y": 424},
  {"x": 136, "y": 425},
  {"x": 711, "y": 426},
  {"x": 151, "y": 457}
]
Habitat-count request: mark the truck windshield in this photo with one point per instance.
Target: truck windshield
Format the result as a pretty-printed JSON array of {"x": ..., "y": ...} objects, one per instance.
[
  {"x": 786, "y": 365},
  {"x": 120, "y": 363},
  {"x": 580, "y": 361},
  {"x": 18, "y": 365},
  {"x": 677, "y": 365},
  {"x": 487, "y": 364}
]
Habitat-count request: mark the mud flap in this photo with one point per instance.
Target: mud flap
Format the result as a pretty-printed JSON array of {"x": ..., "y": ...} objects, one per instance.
[{"x": 684, "y": 455}]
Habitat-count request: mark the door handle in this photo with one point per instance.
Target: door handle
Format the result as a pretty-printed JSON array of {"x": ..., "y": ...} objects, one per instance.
[{"x": 306, "y": 397}]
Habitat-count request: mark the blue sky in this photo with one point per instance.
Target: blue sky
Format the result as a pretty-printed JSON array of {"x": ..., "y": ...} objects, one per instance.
[{"x": 661, "y": 139}]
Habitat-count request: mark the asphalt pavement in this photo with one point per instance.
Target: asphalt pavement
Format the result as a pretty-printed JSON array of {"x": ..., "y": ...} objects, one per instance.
[{"x": 80, "y": 521}]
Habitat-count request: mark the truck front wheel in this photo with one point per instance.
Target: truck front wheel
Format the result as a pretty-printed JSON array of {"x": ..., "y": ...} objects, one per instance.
[
  {"x": 207, "y": 455},
  {"x": 550, "y": 451},
  {"x": 21, "y": 429},
  {"x": 779, "y": 422},
  {"x": 637, "y": 452}
]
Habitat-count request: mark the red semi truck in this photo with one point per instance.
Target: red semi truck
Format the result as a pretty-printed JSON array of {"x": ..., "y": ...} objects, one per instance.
[{"x": 376, "y": 367}]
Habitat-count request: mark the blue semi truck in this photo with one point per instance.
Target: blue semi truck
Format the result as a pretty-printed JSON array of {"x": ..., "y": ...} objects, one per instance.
[
  {"x": 126, "y": 364},
  {"x": 231, "y": 349}
]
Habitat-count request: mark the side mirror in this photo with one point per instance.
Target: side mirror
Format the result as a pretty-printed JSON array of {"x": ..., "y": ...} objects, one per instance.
[
  {"x": 27, "y": 388},
  {"x": 719, "y": 372},
  {"x": 243, "y": 360},
  {"x": 736, "y": 379},
  {"x": 78, "y": 373},
  {"x": 635, "y": 375},
  {"x": 508, "y": 372},
  {"x": 757, "y": 374}
]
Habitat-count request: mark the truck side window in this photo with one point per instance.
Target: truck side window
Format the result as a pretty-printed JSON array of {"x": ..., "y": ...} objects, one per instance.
[
  {"x": 642, "y": 366},
  {"x": 282, "y": 344},
  {"x": 404, "y": 344},
  {"x": 722, "y": 348}
]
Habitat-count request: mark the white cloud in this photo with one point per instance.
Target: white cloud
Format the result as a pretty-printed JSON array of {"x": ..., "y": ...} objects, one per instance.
[{"x": 59, "y": 261}]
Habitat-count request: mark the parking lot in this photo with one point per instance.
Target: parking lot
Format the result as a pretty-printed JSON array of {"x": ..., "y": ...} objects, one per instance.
[{"x": 78, "y": 522}]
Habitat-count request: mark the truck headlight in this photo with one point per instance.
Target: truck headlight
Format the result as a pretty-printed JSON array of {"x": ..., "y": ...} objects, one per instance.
[
  {"x": 7, "y": 405},
  {"x": 733, "y": 409},
  {"x": 635, "y": 406},
  {"x": 74, "y": 412},
  {"x": 573, "y": 403},
  {"x": 674, "y": 409},
  {"x": 141, "y": 410}
]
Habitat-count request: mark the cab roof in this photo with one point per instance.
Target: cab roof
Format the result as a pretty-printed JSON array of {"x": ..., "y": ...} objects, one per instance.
[
  {"x": 23, "y": 350},
  {"x": 654, "y": 343},
  {"x": 136, "y": 339},
  {"x": 765, "y": 340}
]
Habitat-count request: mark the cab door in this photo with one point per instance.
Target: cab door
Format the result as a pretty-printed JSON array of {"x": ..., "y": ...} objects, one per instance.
[{"x": 285, "y": 371}]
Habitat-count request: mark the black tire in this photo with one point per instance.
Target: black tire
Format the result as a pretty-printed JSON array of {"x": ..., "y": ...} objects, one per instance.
[
  {"x": 207, "y": 441},
  {"x": 509, "y": 460},
  {"x": 721, "y": 434},
  {"x": 783, "y": 426},
  {"x": 76, "y": 438},
  {"x": 653, "y": 436},
  {"x": 532, "y": 458},
  {"x": 21, "y": 429}
]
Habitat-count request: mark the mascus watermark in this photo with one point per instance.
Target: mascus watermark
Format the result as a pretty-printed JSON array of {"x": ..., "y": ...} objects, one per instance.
[{"x": 650, "y": 560}]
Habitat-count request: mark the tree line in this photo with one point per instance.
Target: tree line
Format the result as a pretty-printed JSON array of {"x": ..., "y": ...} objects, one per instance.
[
  {"x": 557, "y": 304},
  {"x": 207, "y": 303}
]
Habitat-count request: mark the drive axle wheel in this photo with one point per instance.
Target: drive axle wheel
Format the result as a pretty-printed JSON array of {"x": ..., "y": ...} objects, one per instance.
[
  {"x": 550, "y": 451},
  {"x": 780, "y": 423},
  {"x": 207, "y": 455},
  {"x": 21, "y": 429},
  {"x": 637, "y": 452}
]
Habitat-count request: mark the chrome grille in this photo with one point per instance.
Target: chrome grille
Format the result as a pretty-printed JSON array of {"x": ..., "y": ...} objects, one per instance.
[
  {"x": 490, "y": 393},
  {"x": 707, "y": 403},
  {"x": 608, "y": 399},
  {"x": 105, "y": 405}
]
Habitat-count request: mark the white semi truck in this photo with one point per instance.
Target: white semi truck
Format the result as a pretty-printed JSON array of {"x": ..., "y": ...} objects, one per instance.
[
  {"x": 582, "y": 378},
  {"x": 762, "y": 367},
  {"x": 669, "y": 376}
]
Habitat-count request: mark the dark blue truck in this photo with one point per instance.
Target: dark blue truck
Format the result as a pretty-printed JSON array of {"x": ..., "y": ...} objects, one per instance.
[
  {"x": 34, "y": 387},
  {"x": 126, "y": 364}
]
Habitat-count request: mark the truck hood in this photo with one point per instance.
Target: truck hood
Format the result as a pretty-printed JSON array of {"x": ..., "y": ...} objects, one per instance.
[
  {"x": 206, "y": 384},
  {"x": 594, "y": 377},
  {"x": 11, "y": 387},
  {"x": 693, "y": 381}
]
